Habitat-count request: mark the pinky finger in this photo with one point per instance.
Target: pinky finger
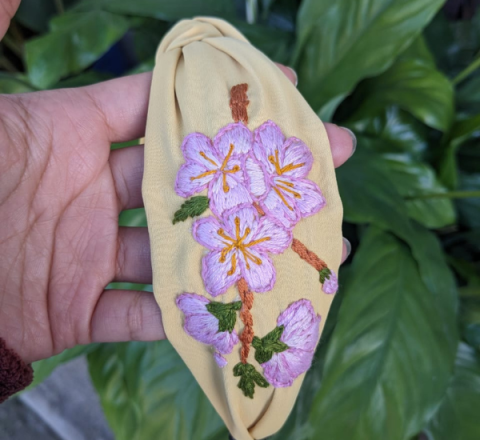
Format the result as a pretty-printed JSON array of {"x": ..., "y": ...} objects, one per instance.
[{"x": 125, "y": 315}]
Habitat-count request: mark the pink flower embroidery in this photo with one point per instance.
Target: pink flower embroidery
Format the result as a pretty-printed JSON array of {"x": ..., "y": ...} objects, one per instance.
[
  {"x": 277, "y": 176},
  {"x": 301, "y": 333},
  {"x": 239, "y": 242},
  {"x": 331, "y": 284},
  {"x": 201, "y": 325},
  {"x": 218, "y": 165}
]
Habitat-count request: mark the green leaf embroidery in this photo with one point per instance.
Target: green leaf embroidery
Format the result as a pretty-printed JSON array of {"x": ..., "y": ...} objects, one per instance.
[
  {"x": 225, "y": 313},
  {"x": 269, "y": 344},
  {"x": 325, "y": 274},
  {"x": 191, "y": 208},
  {"x": 248, "y": 378}
]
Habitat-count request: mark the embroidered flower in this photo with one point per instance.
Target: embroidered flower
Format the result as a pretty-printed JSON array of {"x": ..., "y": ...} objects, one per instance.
[
  {"x": 277, "y": 176},
  {"x": 330, "y": 284},
  {"x": 218, "y": 166},
  {"x": 300, "y": 334},
  {"x": 239, "y": 243},
  {"x": 203, "y": 326}
]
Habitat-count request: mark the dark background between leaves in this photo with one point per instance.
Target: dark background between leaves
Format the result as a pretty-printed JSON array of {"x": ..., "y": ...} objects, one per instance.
[{"x": 399, "y": 356}]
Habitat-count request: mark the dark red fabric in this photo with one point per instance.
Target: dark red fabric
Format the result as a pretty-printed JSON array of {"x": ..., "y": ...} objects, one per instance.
[{"x": 15, "y": 375}]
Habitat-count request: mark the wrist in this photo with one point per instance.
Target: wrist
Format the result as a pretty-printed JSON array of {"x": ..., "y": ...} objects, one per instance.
[{"x": 15, "y": 374}]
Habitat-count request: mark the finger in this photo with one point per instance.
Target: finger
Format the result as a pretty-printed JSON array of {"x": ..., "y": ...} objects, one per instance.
[
  {"x": 289, "y": 73},
  {"x": 126, "y": 315},
  {"x": 123, "y": 102},
  {"x": 342, "y": 142},
  {"x": 127, "y": 171},
  {"x": 133, "y": 256},
  {"x": 347, "y": 248},
  {"x": 7, "y": 11}
]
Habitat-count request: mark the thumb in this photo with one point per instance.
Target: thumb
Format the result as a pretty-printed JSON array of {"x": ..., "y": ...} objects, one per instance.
[{"x": 7, "y": 11}]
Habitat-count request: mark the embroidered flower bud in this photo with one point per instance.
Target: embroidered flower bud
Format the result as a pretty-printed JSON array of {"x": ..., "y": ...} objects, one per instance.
[
  {"x": 330, "y": 284},
  {"x": 292, "y": 352},
  {"x": 277, "y": 174},
  {"x": 204, "y": 326},
  {"x": 239, "y": 243}
]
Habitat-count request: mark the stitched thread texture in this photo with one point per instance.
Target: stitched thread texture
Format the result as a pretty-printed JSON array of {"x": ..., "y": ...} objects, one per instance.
[
  {"x": 239, "y": 103},
  {"x": 191, "y": 208},
  {"x": 257, "y": 191}
]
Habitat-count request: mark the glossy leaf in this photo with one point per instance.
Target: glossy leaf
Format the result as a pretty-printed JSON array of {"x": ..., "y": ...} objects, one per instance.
[
  {"x": 163, "y": 9},
  {"x": 42, "y": 369},
  {"x": 147, "y": 392},
  {"x": 413, "y": 179},
  {"x": 469, "y": 209},
  {"x": 75, "y": 41},
  {"x": 461, "y": 131},
  {"x": 276, "y": 44},
  {"x": 457, "y": 417},
  {"x": 391, "y": 334},
  {"x": 392, "y": 130},
  {"x": 14, "y": 83},
  {"x": 341, "y": 42},
  {"x": 415, "y": 86}
]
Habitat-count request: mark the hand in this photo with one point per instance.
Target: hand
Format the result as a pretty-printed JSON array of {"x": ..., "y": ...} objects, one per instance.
[{"x": 61, "y": 191}]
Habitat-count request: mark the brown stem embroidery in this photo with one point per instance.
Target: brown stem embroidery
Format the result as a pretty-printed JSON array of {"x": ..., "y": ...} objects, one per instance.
[
  {"x": 239, "y": 102},
  {"x": 307, "y": 255},
  {"x": 246, "y": 295}
]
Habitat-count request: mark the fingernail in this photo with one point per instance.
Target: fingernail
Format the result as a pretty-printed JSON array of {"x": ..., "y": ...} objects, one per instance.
[
  {"x": 294, "y": 74},
  {"x": 348, "y": 246},
  {"x": 354, "y": 139}
]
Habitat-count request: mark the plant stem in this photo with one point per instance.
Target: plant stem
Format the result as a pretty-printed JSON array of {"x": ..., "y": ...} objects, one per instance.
[
  {"x": 252, "y": 11},
  {"x": 7, "y": 65},
  {"x": 13, "y": 46},
  {"x": 246, "y": 295},
  {"x": 446, "y": 195},
  {"x": 60, "y": 7},
  {"x": 474, "y": 65}
]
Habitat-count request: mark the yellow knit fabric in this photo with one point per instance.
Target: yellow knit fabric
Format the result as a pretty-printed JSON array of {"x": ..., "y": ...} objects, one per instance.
[{"x": 197, "y": 64}]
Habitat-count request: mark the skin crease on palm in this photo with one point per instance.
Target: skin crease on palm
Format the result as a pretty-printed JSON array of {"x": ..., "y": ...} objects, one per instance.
[{"x": 61, "y": 191}]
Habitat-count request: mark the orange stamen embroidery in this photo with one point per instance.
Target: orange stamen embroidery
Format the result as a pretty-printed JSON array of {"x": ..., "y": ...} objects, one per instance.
[
  {"x": 282, "y": 197},
  {"x": 238, "y": 243},
  {"x": 275, "y": 161},
  {"x": 222, "y": 169}
]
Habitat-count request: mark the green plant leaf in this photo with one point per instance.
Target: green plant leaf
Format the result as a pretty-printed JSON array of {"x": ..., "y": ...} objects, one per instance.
[
  {"x": 368, "y": 195},
  {"x": 276, "y": 44},
  {"x": 268, "y": 345},
  {"x": 163, "y": 9},
  {"x": 147, "y": 392},
  {"x": 42, "y": 369},
  {"x": 469, "y": 208},
  {"x": 341, "y": 42},
  {"x": 14, "y": 83},
  {"x": 415, "y": 86},
  {"x": 225, "y": 313},
  {"x": 457, "y": 417},
  {"x": 192, "y": 207},
  {"x": 413, "y": 178},
  {"x": 390, "y": 336},
  {"x": 461, "y": 131},
  {"x": 392, "y": 130},
  {"x": 75, "y": 41}
]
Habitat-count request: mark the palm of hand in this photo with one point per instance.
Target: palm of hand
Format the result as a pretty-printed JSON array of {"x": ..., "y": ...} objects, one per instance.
[{"x": 59, "y": 208}]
